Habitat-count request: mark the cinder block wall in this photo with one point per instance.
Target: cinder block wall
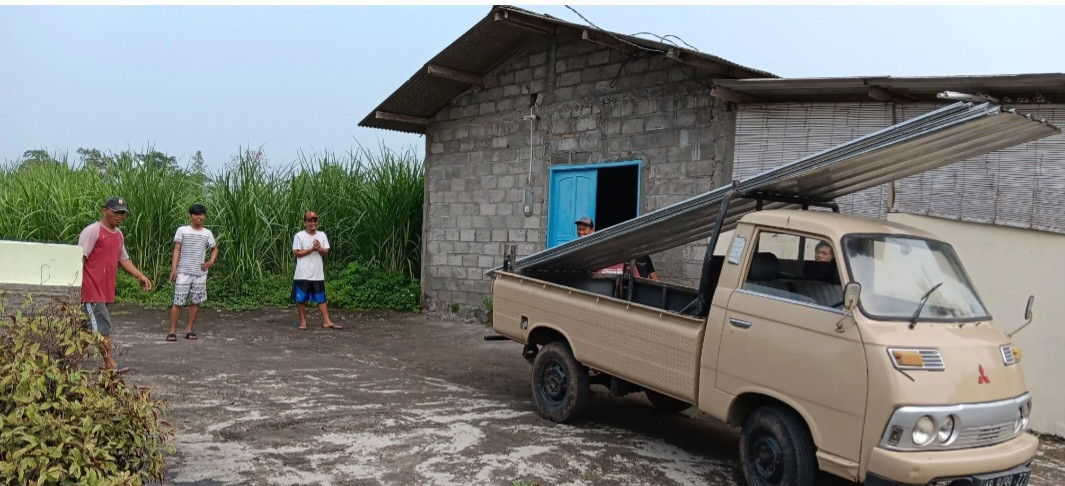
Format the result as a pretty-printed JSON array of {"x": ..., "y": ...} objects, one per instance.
[{"x": 594, "y": 104}]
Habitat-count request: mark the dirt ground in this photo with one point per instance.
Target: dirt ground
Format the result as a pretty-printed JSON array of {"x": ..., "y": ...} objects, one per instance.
[{"x": 398, "y": 399}]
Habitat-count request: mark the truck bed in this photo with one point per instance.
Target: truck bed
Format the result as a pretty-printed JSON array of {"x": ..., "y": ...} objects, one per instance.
[{"x": 644, "y": 344}]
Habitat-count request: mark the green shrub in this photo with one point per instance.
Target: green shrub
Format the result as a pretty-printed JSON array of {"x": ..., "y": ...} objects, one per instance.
[
  {"x": 359, "y": 286},
  {"x": 60, "y": 424}
]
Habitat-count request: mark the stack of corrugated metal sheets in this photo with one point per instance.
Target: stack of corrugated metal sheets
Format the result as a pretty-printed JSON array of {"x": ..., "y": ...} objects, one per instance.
[{"x": 938, "y": 138}]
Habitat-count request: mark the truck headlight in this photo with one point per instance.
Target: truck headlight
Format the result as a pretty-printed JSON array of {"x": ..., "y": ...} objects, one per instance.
[
  {"x": 946, "y": 430},
  {"x": 924, "y": 431}
]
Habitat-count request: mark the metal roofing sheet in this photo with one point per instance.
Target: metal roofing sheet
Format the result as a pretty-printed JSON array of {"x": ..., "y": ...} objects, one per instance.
[
  {"x": 938, "y": 138},
  {"x": 1015, "y": 88},
  {"x": 481, "y": 49}
]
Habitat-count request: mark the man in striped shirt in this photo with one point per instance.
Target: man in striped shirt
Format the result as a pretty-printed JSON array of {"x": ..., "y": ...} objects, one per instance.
[{"x": 188, "y": 270}]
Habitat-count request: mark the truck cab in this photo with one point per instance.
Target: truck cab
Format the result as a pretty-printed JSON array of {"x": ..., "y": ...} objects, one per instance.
[{"x": 851, "y": 345}]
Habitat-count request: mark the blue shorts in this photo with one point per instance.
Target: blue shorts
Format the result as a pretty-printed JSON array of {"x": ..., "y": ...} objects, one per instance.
[
  {"x": 308, "y": 291},
  {"x": 99, "y": 318}
]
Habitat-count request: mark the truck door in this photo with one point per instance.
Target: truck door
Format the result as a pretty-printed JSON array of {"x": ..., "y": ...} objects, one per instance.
[{"x": 779, "y": 339}]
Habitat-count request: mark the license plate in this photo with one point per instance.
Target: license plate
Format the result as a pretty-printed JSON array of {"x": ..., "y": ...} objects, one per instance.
[{"x": 1008, "y": 479}]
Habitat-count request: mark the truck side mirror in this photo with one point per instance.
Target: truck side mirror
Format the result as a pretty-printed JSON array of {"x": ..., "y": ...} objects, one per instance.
[
  {"x": 850, "y": 295},
  {"x": 1027, "y": 315}
]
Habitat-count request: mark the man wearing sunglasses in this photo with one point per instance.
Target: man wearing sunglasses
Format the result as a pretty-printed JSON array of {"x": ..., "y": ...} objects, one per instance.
[{"x": 309, "y": 246}]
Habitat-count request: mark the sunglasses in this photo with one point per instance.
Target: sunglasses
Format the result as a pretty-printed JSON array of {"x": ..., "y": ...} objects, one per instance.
[{"x": 311, "y": 220}]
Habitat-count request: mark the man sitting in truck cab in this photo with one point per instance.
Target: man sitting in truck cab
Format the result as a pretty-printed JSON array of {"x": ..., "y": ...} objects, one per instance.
[
  {"x": 782, "y": 269},
  {"x": 644, "y": 267},
  {"x": 823, "y": 252}
]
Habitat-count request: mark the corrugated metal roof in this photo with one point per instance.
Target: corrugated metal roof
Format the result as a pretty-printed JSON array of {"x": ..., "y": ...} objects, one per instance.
[
  {"x": 492, "y": 41},
  {"x": 935, "y": 139},
  {"x": 1008, "y": 89}
]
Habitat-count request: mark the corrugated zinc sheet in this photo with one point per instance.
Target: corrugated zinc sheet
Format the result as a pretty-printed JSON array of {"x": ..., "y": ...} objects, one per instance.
[
  {"x": 1011, "y": 88},
  {"x": 953, "y": 133},
  {"x": 769, "y": 136},
  {"x": 1018, "y": 186}
]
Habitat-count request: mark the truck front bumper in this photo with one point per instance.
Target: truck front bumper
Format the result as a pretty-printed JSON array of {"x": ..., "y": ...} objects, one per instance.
[{"x": 949, "y": 468}]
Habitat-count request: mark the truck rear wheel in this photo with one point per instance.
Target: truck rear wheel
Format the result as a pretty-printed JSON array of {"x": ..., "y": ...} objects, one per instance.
[
  {"x": 665, "y": 403},
  {"x": 559, "y": 383},
  {"x": 776, "y": 449}
]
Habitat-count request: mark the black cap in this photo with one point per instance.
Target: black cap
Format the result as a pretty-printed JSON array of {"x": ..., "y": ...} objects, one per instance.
[
  {"x": 586, "y": 221},
  {"x": 116, "y": 204}
]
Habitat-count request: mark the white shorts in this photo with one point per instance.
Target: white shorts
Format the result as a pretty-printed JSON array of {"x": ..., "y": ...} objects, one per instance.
[{"x": 191, "y": 288}]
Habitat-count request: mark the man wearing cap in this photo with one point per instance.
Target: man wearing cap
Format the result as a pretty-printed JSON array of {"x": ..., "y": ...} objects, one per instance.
[
  {"x": 644, "y": 267},
  {"x": 103, "y": 250},
  {"x": 308, "y": 246}
]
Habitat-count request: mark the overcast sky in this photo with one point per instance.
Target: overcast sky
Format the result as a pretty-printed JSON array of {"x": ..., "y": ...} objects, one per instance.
[{"x": 292, "y": 79}]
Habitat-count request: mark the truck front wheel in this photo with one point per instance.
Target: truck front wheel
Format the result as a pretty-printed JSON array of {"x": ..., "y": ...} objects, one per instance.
[
  {"x": 776, "y": 449},
  {"x": 559, "y": 383}
]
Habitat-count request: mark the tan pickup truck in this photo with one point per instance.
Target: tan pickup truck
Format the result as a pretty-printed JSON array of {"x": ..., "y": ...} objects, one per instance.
[{"x": 881, "y": 366}]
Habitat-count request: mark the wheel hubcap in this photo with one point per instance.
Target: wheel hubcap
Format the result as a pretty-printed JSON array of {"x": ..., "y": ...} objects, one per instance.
[
  {"x": 768, "y": 460},
  {"x": 554, "y": 380}
]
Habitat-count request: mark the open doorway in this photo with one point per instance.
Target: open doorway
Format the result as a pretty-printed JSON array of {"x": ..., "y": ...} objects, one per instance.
[{"x": 607, "y": 193}]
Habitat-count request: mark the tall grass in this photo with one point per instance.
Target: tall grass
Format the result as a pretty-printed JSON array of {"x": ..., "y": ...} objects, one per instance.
[{"x": 369, "y": 203}]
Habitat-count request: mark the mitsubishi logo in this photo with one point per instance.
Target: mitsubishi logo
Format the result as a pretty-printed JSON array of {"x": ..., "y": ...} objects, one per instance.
[{"x": 983, "y": 378}]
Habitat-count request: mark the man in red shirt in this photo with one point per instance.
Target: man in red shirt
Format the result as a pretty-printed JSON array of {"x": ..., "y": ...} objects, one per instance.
[
  {"x": 644, "y": 267},
  {"x": 103, "y": 250}
]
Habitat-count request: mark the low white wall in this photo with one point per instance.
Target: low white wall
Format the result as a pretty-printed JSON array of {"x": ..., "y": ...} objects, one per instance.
[
  {"x": 1007, "y": 265},
  {"x": 23, "y": 263}
]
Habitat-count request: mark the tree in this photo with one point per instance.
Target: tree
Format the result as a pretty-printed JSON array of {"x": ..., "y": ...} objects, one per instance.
[
  {"x": 197, "y": 168},
  {"x": 37, "y": 157},
  {"x": 155, "y": 158},
  {"x": 94, "y": 159}
]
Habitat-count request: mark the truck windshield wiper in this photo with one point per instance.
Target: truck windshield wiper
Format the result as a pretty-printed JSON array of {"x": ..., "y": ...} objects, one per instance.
[{"x": 924, "y": 299}]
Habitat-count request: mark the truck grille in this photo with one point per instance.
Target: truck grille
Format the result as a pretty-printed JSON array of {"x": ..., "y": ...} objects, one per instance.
[{"x": 985, "y": 435}]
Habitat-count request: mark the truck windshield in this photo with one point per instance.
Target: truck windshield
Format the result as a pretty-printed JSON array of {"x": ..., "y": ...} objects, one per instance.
[{"x": 897, "y": 271}]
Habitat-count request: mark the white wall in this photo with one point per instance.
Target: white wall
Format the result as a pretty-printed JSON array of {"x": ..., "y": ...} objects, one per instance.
[
  {"x": 1007, "y": 265},
  {"x": 24, "y": 263}
]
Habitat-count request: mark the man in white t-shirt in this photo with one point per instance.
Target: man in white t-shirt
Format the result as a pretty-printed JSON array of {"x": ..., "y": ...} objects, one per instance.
[
  {"x": 188, "y": 270},
  {"x": 308, "y": 246}
]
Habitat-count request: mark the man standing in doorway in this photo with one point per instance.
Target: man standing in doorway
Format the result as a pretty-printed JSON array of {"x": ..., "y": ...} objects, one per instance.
[
  {"x": 644, "y": 267},
  {"x": 103, "y": 250},
  {"x": 308, "y": 285}
]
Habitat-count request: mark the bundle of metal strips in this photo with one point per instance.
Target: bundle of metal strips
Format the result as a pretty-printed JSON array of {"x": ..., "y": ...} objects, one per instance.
[{"x": 932, "y": 140}]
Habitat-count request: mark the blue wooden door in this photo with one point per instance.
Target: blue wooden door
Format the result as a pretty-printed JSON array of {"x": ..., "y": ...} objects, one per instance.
[{"x": 572, "y": 195}]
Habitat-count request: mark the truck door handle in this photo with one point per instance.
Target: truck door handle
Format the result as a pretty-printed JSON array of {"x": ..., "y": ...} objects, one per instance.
[{"x": 739, "y": 323}]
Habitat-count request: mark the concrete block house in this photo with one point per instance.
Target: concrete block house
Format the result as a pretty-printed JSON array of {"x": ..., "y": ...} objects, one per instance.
[{"x": 531, "y": 122}]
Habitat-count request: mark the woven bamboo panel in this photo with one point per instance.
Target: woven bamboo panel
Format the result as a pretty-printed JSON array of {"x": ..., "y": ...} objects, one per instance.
[{"x": 1021, "y": 186}]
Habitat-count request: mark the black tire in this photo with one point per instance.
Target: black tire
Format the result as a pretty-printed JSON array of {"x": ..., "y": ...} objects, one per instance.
[
  {"x": 665, "y": 404},
  {"x": 776, "y": 449},
  {"x": 559, "y": 383}
]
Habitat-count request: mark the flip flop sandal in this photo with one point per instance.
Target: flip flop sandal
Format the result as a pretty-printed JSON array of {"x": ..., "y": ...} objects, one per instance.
[
  {"x": 190, "y": 335},
  {"x": 171, "y": 337}
]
